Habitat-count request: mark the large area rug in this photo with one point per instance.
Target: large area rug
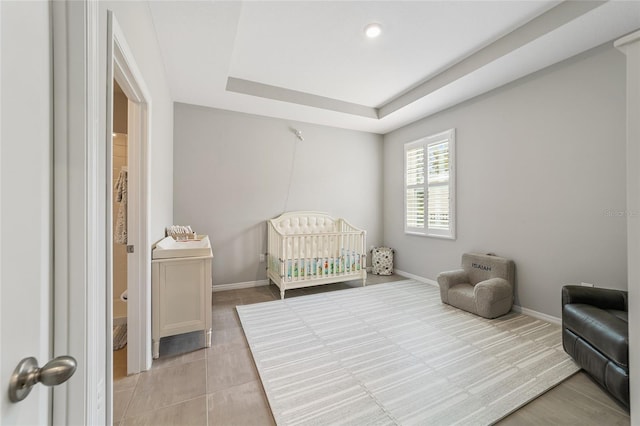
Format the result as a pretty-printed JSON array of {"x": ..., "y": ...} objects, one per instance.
[{"x": 394, "y": 354}]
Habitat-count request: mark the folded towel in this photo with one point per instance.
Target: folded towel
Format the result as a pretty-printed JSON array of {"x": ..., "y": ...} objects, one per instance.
[{"x": 180, "y": 232}]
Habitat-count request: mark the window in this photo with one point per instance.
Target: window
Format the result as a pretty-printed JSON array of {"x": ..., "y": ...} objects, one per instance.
[{"x": 429, "y": 204}]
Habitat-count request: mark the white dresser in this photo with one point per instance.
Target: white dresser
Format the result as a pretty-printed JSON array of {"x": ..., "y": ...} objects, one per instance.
[{"x": 180, "y": 289}]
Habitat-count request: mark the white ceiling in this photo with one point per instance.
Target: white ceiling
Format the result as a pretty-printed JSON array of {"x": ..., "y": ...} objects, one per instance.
[{"x": 310, "y": 61}]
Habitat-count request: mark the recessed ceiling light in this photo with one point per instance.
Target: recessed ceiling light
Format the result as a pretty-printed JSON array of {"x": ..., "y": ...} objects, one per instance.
[{"x": 373, "y": 30}]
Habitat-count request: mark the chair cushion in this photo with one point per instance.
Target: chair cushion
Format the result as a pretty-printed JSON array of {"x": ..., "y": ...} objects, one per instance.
[
  {"x": 604, "y": 330},
  {"x": 462, "y": 296}
]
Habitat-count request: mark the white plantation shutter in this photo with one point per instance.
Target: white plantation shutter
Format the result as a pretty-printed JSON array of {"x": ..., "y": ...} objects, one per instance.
[
  {"x": 438, "y": 184},
  {"x": 415, "y": 208},
  {"x": 415, "y": 187},
  {"x": 429, "y": 186}
]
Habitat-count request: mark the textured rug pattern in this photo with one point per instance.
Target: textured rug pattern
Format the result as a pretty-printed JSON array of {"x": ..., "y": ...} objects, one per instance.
[{"x": 394, "y": 354}]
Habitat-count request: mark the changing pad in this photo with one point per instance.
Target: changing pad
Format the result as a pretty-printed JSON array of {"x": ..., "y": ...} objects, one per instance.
[{"x": 170, "y": 248}]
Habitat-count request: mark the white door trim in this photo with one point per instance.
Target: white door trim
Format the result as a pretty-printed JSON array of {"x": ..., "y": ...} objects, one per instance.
[
  {"x": 126, "y": 73},
  {"x": 630, "y": 46},
  {"x": 79, "y": 212}
]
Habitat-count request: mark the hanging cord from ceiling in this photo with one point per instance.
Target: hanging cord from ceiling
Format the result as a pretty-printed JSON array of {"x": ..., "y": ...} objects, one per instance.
[{"x": 297, "y": 138}]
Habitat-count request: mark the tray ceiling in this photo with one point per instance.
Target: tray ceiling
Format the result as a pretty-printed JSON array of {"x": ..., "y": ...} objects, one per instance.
[{"x": 311, "y": 61}]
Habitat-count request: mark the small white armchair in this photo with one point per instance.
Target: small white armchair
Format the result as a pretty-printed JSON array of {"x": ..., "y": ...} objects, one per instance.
[{"x": 484, "y": 285}]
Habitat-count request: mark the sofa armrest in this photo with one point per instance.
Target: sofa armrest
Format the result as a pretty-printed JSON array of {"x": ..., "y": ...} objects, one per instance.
[
  {"x": 602, "y": 298},
  {"x": 448, "y": 279},
  {"x": 493, "y": 289}
]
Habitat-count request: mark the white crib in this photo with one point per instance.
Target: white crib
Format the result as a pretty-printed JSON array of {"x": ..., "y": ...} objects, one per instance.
[{"x": 311, "y": 248}]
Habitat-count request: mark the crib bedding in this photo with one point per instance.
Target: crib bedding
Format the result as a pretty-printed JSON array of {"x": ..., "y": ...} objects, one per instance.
[
  {"x": 311, "y": 248},
  {"x": 322, "y": 266}
]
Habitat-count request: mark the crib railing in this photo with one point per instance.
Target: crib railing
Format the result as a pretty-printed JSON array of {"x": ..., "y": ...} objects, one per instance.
[{"x": 298, "y": 257}]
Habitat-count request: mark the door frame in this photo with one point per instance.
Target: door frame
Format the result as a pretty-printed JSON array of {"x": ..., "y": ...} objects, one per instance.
[
  {"x": 82, "y": 282},
  {"x": 630, "y": 46},
  {"x": 79, "y": 211},
  {"x": 121, "y": 66}
]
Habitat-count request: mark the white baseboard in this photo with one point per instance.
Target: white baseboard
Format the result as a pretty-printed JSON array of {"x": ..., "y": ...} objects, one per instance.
[
  {"x": 415, "y": 277},
  {"x": 516, "y": 308},
  {"x": 238, "y": 286},
  {"x": 536, "y": 314}
]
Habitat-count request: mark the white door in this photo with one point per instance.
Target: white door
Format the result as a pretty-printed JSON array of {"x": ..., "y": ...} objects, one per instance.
[
  {"x": 52, "y": 227},
  {"x": 26, "y": 202}
]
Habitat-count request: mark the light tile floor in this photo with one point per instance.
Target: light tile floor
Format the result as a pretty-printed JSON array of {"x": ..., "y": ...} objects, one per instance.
[{"x": 220, "y": 385}]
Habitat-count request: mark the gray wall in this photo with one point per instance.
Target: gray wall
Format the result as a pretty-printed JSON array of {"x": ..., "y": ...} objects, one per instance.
[
  {"x": 231, "y": 174},
  {"x": 541, "y": 179}
]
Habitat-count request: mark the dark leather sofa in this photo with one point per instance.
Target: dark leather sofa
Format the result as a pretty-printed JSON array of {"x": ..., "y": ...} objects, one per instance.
[{"x": 595, "y": 333}]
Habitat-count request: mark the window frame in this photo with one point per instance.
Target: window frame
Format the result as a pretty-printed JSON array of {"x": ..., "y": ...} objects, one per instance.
[{"x": 425, "y": 142}]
